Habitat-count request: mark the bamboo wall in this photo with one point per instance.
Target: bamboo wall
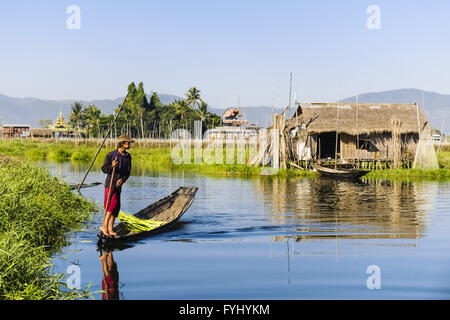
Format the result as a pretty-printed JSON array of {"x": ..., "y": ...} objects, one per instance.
[{"x": 382, "y": 146}]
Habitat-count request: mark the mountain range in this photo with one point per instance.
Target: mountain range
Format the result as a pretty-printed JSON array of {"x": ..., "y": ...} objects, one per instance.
[{"x": 31, "y": 110}]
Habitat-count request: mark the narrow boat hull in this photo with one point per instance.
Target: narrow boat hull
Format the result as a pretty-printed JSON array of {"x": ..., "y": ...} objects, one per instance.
[
  {"x": 344, "y": 174},
  {"x": 85, "y": 185},
  {"x": 168, "y": 209}
]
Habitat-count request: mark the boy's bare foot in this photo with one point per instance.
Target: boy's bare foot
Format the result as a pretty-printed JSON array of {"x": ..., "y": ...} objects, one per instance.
[
  {"x": 104, "y": 231},
  {"x": 112, "y": 233}
]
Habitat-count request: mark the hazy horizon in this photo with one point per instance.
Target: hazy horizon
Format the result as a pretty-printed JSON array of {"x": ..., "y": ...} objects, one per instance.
[
  {"x": 229, "y": 50},
  {"x": 224, "y": 106}
]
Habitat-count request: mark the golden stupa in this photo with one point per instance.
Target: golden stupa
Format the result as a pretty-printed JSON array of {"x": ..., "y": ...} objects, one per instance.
[{"x": 60, "y": 123}]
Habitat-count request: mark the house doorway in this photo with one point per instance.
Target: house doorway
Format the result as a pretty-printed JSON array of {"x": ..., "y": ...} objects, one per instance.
[{"x": 327, "y": 145}]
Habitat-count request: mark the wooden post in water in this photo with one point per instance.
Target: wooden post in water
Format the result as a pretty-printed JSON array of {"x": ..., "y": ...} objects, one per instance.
[
  {"x": 357, "y": 128},
  {"x": 337, "y": 130}
]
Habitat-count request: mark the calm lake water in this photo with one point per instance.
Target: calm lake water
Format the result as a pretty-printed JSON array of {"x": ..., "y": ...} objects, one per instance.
[{"x": 269, "y": 238}]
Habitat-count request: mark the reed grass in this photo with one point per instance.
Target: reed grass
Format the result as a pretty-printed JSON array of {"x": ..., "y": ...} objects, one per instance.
[
  {"x": 444, "y": 159},
  {"x": 410, "y": 174},
  {"x": 37, "y": 214}
]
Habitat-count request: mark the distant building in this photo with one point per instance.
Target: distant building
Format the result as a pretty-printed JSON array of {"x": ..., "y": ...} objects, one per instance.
[
  {"x": 60, "y": 123},
  {"x": 41, "y": 133},
  {"x": 230, "y": 132},
  {"x": 366, "y": 131},
  {"x": 11, "y": 131},
  {"x": 60, "y": 128},
  {"x": 233, "y": 117}
]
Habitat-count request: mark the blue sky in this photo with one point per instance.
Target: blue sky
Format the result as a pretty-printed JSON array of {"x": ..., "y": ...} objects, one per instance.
[{"x": 226, "y": 48}]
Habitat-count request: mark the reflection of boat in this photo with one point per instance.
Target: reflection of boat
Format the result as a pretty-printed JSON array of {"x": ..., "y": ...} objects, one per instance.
[
  {"x": 340, "y": 173},
  {"x": 168, "y": 210}
]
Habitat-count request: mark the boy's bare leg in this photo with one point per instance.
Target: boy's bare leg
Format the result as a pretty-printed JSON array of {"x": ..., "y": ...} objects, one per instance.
[
  {"x": 104, "y": 260},
  {"x": 111, "y": 220},
  {"x": 110, "y": 261},
  {"x": 104, "y": 227}
]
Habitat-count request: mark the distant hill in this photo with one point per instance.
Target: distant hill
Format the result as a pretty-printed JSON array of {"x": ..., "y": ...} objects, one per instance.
[
  {"x": 31, "y": 110},
  {"x": 435, "y": 105}
]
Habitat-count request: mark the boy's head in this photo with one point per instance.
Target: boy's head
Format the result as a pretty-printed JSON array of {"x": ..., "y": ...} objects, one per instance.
[
  {"x": 124, "y": 141},
  {"x": 123, "y": 144}
]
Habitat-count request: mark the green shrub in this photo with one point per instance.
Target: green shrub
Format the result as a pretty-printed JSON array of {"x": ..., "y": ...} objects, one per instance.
[
  {"x": 59, "y": 155},
  {"x": 80, "y": 156},
  {"x": 37, "y": 212}
]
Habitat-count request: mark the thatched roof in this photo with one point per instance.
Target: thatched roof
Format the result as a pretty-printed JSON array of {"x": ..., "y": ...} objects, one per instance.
[
  {"x": 41, "y": 132},
  {"x": 372, "y": 117}
]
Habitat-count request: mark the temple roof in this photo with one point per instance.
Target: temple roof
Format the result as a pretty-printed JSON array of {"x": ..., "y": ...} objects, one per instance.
[{"x": 60, "y": 123}]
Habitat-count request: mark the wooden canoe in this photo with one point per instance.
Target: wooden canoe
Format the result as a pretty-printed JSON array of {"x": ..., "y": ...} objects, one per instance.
[
  {"x": 85, "y": 185},
  {"x": 338, "y": 173},
  {"x": 168, "y": 209}
]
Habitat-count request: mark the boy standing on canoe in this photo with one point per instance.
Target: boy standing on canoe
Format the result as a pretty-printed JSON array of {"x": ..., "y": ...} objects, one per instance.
[{"x": 119, "y": 163}]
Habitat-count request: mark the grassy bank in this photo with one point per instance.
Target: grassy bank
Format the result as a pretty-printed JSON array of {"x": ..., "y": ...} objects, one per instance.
[
  {"x": 410, "y": 174},
  {"x": 158, "y": 156},
  {"x": 443, "y": 173},
  {"x": 37, "y": 213},
  {"x": 154, "y": 156}
]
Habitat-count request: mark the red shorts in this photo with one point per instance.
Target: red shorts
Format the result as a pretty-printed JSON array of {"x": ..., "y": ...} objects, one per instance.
[{"x": 114, "y": 201}]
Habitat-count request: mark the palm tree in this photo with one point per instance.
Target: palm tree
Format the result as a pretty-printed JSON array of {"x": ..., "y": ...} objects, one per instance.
[
  {"x": 182, "y": 108},
  {"x": 76, "y": 115},
  {"x": 92, "y": 114},
  {"x": 193, "y": 96},
  {"x": 202, "y": 111}
]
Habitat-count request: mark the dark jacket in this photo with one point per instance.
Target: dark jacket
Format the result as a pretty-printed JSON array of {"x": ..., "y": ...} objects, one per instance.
[{"x": 123, "y": 168}]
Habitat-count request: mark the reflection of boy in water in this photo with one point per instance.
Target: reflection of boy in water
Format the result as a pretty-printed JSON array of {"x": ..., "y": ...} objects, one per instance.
[{"x": 110, "y": 282}]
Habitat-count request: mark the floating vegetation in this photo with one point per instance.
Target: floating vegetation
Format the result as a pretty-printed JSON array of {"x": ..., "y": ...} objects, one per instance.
[{"x": 137, "y": 225}]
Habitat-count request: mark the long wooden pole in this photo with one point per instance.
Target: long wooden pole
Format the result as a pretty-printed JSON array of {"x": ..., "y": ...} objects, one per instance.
[
  {"x": 110, "y": 188},
  {"x": 337, "y": 129},
  {"x": 442, "y": 130},
  {"x": 357, "y": 128},
  {"x": 103, "y": 142},
  {"x": 290, "y": 94}
]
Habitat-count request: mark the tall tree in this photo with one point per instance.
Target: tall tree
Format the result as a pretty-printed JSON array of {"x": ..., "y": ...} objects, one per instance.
[
  {"x": 141, "y": 115},
  {"x": 182, "y": 109},
  {"x": 141, "y": 106},
  {"x": 126, "y": 119},
  {"x": 193, "y": 97},
  {"x": 76, "y": 116},
  {"x": 202, "y": 111},
  {"x": 92, "y": 116}
]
